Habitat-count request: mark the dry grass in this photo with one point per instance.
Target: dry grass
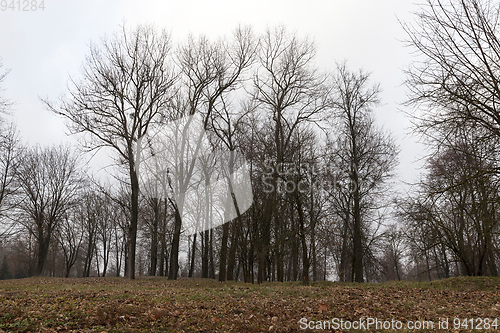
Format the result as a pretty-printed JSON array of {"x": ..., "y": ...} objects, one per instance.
[{"x": 196, "y": 305}]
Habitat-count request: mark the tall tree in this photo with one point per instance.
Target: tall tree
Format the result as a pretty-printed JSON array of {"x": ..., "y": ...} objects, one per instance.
[
  {"x": 289, "y": 88},
  {"x": 456, "y": 77},
  {"x": 10, "y": 150},
  {"x": 69, "y": 235},
  {"x": 49, "y": 179},
  {"x": 209, "y": 71},
  {"x": 460, "y": 203},
  {"x": 226, "y": 125},
  {"x": 393, "y": 253},
  {"x": 88, "y": 215},
  {"x": 368, "y": 156},
  {"x": 126, "y": 87},
  {"x": 10, "y": 157},
  {"x": 106, "y": 220},
  {"x": 456, "y": 80}
]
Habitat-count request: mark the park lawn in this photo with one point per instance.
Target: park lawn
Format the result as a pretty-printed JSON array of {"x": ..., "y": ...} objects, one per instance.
[{"x": 155, "y": 304}]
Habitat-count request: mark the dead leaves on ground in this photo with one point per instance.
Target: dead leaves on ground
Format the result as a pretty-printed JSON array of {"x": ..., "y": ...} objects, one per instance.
[{"x": 155, "y": 304}]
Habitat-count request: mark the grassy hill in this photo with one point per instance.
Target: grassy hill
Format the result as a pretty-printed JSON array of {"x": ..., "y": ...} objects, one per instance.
[{"x": 197, "y": 305}]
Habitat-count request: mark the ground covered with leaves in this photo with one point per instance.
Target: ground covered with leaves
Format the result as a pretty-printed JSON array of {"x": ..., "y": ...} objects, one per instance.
[{"x": 196, "y": 305}]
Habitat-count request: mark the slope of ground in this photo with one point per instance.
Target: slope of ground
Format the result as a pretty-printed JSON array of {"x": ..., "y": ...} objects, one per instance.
[{"x": 196, "y": 305}]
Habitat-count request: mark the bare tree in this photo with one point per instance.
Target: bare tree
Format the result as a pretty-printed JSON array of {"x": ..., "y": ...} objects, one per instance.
[
  {"x": 456, "y": 77},
  {"x": 88, "y": 214},
  {"x": 125, "y": 90},
  {"x": 393, "y": 253},
  {"x": 290, "y": 89},
  {"x": 69, "y": 234},
  {"x": 10, "y": 157},
  {"x": 456, "y": 80},
  {"x": 209, "y": 70},
  {"x": 106, "y": 220},
  {"x": 153, "y": 215},
  {"x": 460, "y": 200},
  {"x": 226, "y": 124},
  {"x": 368, "y": 157},
  {"x": 10, "y": 150},
  {"x": 121, "y": 200},
  {"x": 49, "y": 179}
]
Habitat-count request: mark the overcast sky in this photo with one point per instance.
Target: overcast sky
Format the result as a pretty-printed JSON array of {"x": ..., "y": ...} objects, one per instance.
[{"x": 42, "y": 48}]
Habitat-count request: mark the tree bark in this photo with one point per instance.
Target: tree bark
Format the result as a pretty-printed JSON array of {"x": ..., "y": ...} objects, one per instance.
[
  {"x": 193, "y": 256},
  {"x": 154, "y": 237},
  {"x": 232, "y": 249},
  {"x": 174, "y": 252},
  {"x": 134, "y": 210},
  {"x": 223, "y": 252}
]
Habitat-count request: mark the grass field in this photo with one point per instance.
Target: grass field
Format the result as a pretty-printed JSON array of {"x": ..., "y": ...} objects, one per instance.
[{"x": 196, "y": 305}]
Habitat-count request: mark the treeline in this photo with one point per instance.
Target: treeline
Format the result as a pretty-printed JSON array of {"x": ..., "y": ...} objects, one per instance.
[
  {"x": 317, "y": 166},
  {"x": 247, "y": 130},
  {"x": 453, "y": 213}
]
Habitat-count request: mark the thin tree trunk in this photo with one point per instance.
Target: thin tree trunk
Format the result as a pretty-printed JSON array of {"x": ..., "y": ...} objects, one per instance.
[
  {"x": 204, "y": 255},
  {"x": 223, "y": 252},
  {"x": 97, "y": 261},
  {"x": 357, "y": 233},
  {"x": 163, "y": 241},
  {"x": 154, "y": 237},
  {"x": 265, "y": 242},
  {"x": 302, "y": 234},
  {"x": 234, "y": 224},
  {"x": 211, "y": 256},
  {"x": 343, "y": 276},
  {"x": 132, "y": 234},
  {"x": 232, "y": 249},
  {"x": 193, "y": 255},
  {"x": 174, "y": 253}
]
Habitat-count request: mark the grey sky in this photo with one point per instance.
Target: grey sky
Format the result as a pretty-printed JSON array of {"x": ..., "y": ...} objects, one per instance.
[{"x": 42, "y": 48}]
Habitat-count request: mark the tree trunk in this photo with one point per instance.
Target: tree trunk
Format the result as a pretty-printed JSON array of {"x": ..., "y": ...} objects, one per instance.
[
  {"x": 357, "y": 233},
  {"x": 234, "y": 224},
  {"x": 490, "y": 254},
  {"x": 265, "y": 242},
  {"x": 278, "y": 253},
  {"x": 235, "y": 232},
  {"x": 163, "y": 241},
  {"x": 295, "y": 248},
  {"x": 223, "y": 252},
  {"x": 132, "y": 234},
  {"x": 303, "y": 241},
  {"x": 97, "y": 261},
  {"x": 204, "y": 255},
  {"x": 313, "y": 255},
  {"x": 211, "y": 256},
  {"x": 343, "y": 267},
  {"x": 43, "y": 249},
  {"x": 174, "y": 252},
  {"x": 119, "y": 252},
  {"x": 428, "y": 266},
  {"x": 125, "y": 258},
  {"x": 89, "y": 255},
  {"x": 193, "y": 256},
  {"x": 154, "y": 237}
]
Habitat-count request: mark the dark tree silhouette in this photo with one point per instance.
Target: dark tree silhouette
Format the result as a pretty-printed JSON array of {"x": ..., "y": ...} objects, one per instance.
[{"x": 125, "y": 90}]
